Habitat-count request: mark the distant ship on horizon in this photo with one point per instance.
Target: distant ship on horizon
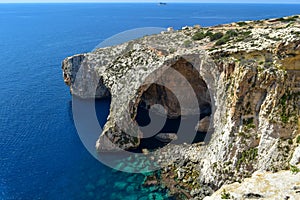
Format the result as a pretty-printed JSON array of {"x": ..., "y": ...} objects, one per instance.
[{"x": 162, "y": 4}]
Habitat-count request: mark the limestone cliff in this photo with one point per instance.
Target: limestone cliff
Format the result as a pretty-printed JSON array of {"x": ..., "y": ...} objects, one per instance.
[
  {"x": 246, "y": 80},
  {"x": 280, "y": 185}
]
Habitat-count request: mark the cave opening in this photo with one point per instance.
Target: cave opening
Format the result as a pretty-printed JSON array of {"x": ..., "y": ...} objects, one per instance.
[{"x": 156, "y": 94}]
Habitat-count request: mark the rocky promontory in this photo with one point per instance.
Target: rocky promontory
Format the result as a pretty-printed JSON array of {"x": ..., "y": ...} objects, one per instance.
[{"x": 237, "y": 84}]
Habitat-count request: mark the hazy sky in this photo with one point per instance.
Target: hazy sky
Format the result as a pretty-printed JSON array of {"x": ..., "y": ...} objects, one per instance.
[{"x": 195, "y": 1}]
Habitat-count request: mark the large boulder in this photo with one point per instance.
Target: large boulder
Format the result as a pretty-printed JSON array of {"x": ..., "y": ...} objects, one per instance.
[{"x": 203, "y": 124}]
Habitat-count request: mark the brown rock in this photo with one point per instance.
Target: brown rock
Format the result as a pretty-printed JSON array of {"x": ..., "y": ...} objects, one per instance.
[{"x": 203, "y": 124}]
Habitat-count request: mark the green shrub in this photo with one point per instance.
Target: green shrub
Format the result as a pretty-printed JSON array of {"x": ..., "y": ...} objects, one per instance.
[
  {"x": 226, "y": 38},
  {"x": 242, "y": 23},
  {"x": 290, "y": 19},
  {"x": 216, "y": 36},
  {"x": 298, "y": 139},
  {"x": 283, "y": 101},
  {"x": 294, "y": 169},
  {"x": 231, "y": 33},
  {"x": 284, "y": 118},
  {"x": 248, "y": 121},
  {"x": 225, "y": 195},
  {"x": 187, "y": 43},
  {"x": 172, "y": 50},
  {"x": 209, "y": 33},
  {"x": 199, "y": 36},
  {"x": 246, "y": 33},
  {"x": 223, "y": 40},
  {"x": 247, "y": 156}
]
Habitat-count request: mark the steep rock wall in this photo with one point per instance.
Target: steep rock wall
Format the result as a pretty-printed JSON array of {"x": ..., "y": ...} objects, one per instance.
[{"x": 250, "y": 77}]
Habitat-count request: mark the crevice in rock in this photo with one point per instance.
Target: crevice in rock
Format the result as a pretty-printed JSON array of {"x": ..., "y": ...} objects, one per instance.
[{"x": 102, "y": 92}]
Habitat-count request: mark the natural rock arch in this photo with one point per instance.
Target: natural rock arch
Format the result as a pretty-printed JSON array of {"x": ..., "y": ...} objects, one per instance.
[{"x": 153, "y": 94}]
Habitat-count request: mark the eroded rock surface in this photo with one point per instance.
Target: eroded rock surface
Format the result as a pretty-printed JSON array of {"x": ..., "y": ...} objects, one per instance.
[
  {"x": 244, "y": 77},
  {"x": 263, "y": 185}
]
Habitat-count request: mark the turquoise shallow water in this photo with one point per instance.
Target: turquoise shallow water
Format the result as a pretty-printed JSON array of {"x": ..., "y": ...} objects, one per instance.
[{"x": 41, "y": 156}]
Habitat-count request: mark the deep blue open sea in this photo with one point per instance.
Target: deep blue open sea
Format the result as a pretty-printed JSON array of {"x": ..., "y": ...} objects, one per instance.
[{"x": 41, "y": 155}]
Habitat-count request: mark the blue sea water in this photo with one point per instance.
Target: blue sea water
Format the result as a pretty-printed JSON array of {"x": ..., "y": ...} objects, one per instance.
[{"x": 41, "y": 155}]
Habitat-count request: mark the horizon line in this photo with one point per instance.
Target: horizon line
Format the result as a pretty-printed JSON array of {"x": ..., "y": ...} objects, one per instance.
[{"x": 120, "y": 2}]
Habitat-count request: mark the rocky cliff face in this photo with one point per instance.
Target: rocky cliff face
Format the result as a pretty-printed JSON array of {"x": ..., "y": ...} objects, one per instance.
[
  {"x": 243, "y": 83},
  {"x": 262, "y": 185}
]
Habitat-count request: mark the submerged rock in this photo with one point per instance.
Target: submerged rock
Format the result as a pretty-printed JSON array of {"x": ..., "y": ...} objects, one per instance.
[
  {"x": 120, "y": 185},
  {"x": 155, "y": 196},
  {"x": 166, "y": 137}
]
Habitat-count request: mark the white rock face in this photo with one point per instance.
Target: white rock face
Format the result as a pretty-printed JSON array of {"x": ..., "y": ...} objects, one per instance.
[
  {"x": 263, "y": 185},
  {"x": 296, "y": 157}
]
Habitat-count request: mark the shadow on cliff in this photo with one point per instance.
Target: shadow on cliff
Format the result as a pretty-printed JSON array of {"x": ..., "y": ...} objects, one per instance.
[
  {"x": 196, "y": 124},
  {"x": 171, "y": 126}
]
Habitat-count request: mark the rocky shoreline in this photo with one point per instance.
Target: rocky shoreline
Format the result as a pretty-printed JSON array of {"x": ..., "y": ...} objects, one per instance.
[
  {"x": 180, "y": 173},
  {"x": 245, "y": 79}
]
